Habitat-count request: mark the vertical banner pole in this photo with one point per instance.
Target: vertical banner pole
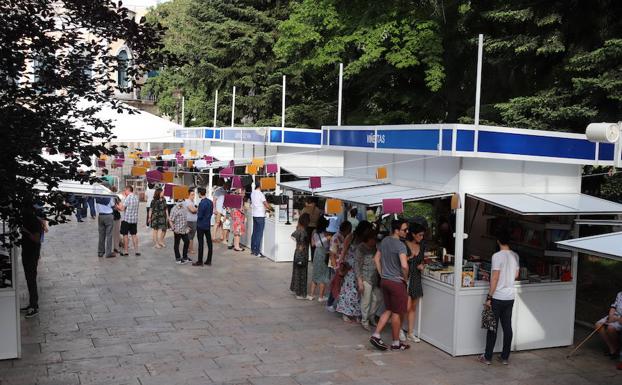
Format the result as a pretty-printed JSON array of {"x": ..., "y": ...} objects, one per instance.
[
  {"x": 183, "y": 111},
  {"x": 340, "y": 94},
  {"x": 478, "y": 88},
  {"x": 215, "y": 110},
  {"x": 283, "y": 106},
  {"x": 233, "y": 108}
]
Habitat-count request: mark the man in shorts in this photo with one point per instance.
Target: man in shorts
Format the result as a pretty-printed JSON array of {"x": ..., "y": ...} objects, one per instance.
[
  {"x": 391, "y": 263},
  {"x": 129, "y": 220}
]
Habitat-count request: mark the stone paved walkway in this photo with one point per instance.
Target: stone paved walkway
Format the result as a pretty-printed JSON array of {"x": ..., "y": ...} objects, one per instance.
[{"x": 144, "y": 320}]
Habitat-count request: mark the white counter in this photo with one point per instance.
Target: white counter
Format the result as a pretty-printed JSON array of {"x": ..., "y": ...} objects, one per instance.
[
  {"x": 542, "y": 317},
  {"x": 10, "y": 338},
  {"x": 277, "y": 244}
]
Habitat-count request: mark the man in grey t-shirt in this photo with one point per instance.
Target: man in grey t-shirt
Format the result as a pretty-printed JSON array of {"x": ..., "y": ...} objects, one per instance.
[{"x": 391, "y": 262}]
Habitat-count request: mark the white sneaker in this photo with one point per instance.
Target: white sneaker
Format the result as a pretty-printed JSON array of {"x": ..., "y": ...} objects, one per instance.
[
  {"x": 310, "y": 297},
  {"x": 402, "y": 335},
  {"x": 413, "y": 338},
  {"x": 330, "y": 309},
  {"x": 322, "y": 299},
  {"x": 300, "y": 297}
]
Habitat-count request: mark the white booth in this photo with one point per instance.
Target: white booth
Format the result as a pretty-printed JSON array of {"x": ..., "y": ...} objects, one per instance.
[
  {"x": 527, "y": 180},
  {"x": 10, "y": 338}
]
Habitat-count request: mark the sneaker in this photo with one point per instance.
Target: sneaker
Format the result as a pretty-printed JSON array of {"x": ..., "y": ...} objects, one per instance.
[
  {"x": 32, "y": 313},
  {"x": 260, "y": 255},
  {"x": 197, "y": 264},
  {"x": 402, "y": 335},
  {"x": 300, "y": 297},
  {"x": 179, "y": 262},
  {"x": 483, "y": 360},
  {"x": 322, "y": 299},
  {"x": 187, "y": 259},
  {"x": 401, "y": 346},
  {"x": 25, "y": 309},
  {"x": 331, "y": 309},
  {"x": 378, "y": 343},
  {"x": 310, "y": 297},
  {"x": 365, "y": 325},
  {"x": 501, "y": 360},
  {"x": 413, "y": 338}
]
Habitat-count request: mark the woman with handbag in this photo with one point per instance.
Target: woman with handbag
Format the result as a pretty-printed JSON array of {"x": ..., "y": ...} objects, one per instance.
[
  {"x": 301, "y": 258},
  {"x": 320, "y": 241}
]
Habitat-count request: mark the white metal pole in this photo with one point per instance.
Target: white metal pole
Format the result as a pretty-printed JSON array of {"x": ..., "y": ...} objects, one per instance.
[
  {"x": 233, "y": 109},
  {"x": 340, "y": 94},
  {"x": 478, "y": 87},
  {"x": 215, "y": 108},
  {"x": 183, "y": 111},
  {"x": 283, "y": 105}
]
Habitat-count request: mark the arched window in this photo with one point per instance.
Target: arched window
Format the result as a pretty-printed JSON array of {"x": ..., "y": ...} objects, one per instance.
[{"x": 123, "y": 63}]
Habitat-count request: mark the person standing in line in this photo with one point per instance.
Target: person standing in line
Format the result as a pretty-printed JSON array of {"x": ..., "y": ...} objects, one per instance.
[
  {"x": 298, "y": 284},
  {"x": 149, "y": 198},
  {"x": 259, "y": 207},
  {"x": 158, "y": 218},
  {"x": 392, "y": 264},
  {"x": 416, "y": 252},
  {"x": 353, "y": 217},
  {"x": 116, "y": 221},
  {"x": 191, "y": 216},
  {"x": 504, "y": 271},
  {"x": 314, "y": 213},
  {"x": 31, "y": 235},
  {"x": 129, "y": 221},
  {"x": 204, "y": 222},
  {"x": 239, "y": 227},
  {"x": 337, "y": 244},
  {"x": 179, "y": 224},
  {"x": 367, "y": 278},
  {"x": 90, "y": 202},
  {"x": 219, "y": 209},
  {"x": 105, "y": 225},
  {"x": 320, "y": 278}
]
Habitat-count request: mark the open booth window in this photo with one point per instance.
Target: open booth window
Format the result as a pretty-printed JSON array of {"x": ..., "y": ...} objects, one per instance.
[{"x": 532, "y": 237}]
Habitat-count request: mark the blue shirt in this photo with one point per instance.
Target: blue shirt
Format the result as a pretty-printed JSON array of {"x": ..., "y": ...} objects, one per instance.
[
  {"x": 105, "y": 208},
  {"x": 204, "y": 214}
]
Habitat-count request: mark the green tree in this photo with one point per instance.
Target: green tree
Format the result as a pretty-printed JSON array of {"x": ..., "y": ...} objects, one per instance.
[
  {"x": 222, "y": 44},
  {"x": 54, "y": 56}
]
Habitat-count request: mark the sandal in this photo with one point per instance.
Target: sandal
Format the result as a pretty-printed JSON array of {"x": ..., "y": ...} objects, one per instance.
[{"x": 401, "y": 346}]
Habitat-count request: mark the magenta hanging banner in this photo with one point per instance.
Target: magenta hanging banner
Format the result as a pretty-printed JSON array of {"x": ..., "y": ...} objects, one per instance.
[
  {"x": 233, "y": 201},
  {"x": 392, "y": 206},
  {"x": 315, "y": 182},
  {"x": 226, "y": 172},
  {"x": 272, "y": 168},
  {"x": 101, "y": 163},
  {"x": 236, "y": 182},
  {"x": 154, "y": 176},
  {"x": 119, "y": 162},
  {"x": 168, "y": 190}
]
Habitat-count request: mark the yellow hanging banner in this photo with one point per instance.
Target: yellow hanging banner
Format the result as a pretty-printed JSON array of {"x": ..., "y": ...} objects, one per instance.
[
  {"x": 333, "y": 206},
  {"x": 268, "y": 183},
  {"x": 167, "y": 177},
  {"x": 180, "y": 192},
  {"x": 251, "y": 169},
  {"x": 166, "y": 151},
  {"x": 139, "y": 171},
  {"x": 381, "y": 173},
  {"x": 259, "y": 162},
  {"x": 182, "y": 150}
]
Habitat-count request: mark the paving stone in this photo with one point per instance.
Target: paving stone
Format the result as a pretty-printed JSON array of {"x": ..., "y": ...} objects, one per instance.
[{"x": 146, "y": 321}]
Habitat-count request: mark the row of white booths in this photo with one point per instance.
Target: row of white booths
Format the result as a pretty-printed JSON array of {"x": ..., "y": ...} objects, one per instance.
[{"x": 525, "y": 180}]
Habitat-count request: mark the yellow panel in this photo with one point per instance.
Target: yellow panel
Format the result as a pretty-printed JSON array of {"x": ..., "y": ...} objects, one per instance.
[
  {"x": 251, "y": 169},
  {"x": 333, "y": 206},
  {"x": 166, "y": 151},
  {"x": 194, "y": 153},
  {"x": 258, "y": 162},
  {"x": 381, "y": 173},
  {"x": 139, "y": 171},
  {"x": 180, "y": 192},
  {"x": 167, "y": 177},
  {"x": 268, "y": 183}
]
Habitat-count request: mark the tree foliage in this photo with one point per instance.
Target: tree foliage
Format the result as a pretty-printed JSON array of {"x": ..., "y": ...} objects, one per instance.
[{"x": 56, "y": 71}]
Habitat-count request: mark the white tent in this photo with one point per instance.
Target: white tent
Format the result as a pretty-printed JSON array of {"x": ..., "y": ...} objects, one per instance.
[{"x": 139, "y": 127}]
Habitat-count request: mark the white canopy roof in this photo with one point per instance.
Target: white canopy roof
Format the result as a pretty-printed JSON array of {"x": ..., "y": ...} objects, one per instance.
[
  {"x": 551, "y": 204},
  {"x": 203, "y": 165},
  {"x": 373, "y": 195},
  {"x": 77, "y": 188},
  {"x": 312, "y": 170},
  {"x": 140, "y": 127},
  {"x": 329, "y": 184},
  {"x": 605, "y": 245}
]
